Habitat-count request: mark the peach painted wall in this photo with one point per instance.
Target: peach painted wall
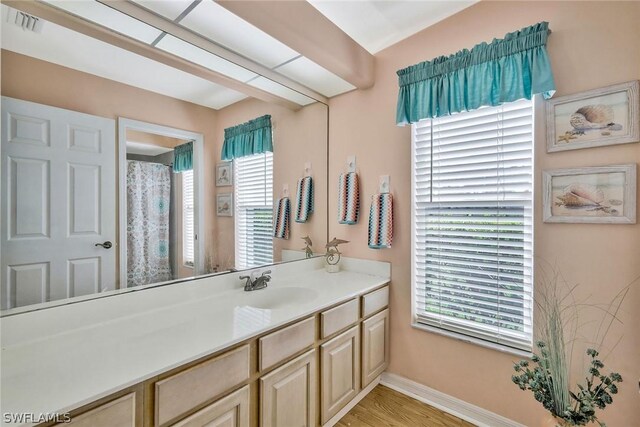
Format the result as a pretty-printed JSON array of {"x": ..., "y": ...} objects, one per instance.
[
  {"x": 593, "y": 44},
  {"x": 39, "y": 81},
  {"x": 298, "y": 137}
]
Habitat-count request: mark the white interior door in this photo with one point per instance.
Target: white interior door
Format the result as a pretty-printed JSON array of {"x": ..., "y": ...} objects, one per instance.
[{"x": 58, "y": 202}]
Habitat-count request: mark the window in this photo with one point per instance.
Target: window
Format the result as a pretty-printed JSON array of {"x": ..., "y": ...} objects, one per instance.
[
  {"x": 254, "y": 210},
  {"x": 187, "y": 219},
  {"x": 472, "y": 223}
]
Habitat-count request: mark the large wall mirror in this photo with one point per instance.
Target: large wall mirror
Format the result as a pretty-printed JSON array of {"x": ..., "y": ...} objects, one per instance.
[{"x": 141, "y": 147}]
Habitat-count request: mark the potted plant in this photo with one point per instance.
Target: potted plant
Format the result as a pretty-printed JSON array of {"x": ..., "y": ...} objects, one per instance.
[{"x": 547, "y": 374}]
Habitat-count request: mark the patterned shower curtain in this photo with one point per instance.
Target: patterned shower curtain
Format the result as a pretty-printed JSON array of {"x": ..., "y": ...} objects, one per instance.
[{"x": 148, "y": 201}]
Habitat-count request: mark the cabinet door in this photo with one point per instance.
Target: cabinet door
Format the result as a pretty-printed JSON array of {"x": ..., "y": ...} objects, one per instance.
[
  {"x": 288, "y": 394},
  {"x": 230, "y": 411},
  {"x": 340, "y": 372},
  {"x": 375, "y": 346}
]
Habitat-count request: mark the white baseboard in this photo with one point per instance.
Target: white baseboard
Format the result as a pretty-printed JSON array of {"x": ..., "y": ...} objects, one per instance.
[
  {"x": 444, "y": 402},
  {"x": 337, "y": 417}
]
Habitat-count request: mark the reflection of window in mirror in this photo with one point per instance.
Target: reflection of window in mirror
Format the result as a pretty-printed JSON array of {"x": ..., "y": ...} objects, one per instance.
[
  {"x": 253, "y": 210},
  {"x": 187, "y": 219}
]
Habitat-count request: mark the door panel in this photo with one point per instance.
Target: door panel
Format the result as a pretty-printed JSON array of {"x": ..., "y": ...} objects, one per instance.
[
  {"x": 59, "y": 195},
  {"x": 288, "y": 394},
  {"x": 375, "y": 346},
  {"x": 340, "y": 372}
]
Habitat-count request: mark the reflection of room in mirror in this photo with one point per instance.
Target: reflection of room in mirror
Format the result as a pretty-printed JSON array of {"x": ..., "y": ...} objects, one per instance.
[
  {"x": 142, "y": 233},
  {"x": 160, "y": 215}
]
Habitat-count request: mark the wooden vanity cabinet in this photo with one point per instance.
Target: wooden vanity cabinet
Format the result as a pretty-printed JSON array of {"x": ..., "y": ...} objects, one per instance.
[
  {"x": 288, "y": 394},
  {"x": 340, "y": 370},
  {"x": 302, "y": 374}
]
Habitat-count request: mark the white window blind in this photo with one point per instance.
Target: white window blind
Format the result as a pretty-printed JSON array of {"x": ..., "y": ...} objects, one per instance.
[
  {"x": 254, "y": 210},
  {"x": 187, "y": 219},
  {"x": 472, "y": 239}
]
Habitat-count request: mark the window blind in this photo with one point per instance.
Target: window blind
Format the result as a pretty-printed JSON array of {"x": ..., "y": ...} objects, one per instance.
[
  {"x": 472, "y": 240},
  {"x": 254, "y": 210},
  {"x": 187, "y": 219}
]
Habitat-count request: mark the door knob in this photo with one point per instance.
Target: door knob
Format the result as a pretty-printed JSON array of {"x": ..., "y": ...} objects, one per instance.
[{"x": 106, "y": 245}]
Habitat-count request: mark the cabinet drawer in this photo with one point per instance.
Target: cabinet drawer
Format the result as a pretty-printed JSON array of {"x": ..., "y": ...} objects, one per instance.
[
  {"x": 339, "y": 317},
  {"x": 286, "y": 342},
  {"x": 186, "y": 390},
  {"x": 120, "y": 412},
  {"x": 230, "y": 411},
  {"x": 375, "y": 301}
]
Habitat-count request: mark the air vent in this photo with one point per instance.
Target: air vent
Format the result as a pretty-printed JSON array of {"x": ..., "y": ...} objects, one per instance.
[{"x": 24, "y": 20}]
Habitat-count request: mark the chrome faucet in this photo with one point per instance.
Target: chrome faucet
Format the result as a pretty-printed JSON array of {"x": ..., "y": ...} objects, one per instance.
[{"x": 259, "y": 282}]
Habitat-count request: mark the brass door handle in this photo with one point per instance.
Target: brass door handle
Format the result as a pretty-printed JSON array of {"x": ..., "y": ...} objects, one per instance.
[{"x": 106, "y": 245}]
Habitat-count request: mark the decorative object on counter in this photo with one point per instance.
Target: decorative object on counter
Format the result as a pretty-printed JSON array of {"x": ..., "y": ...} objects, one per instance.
[
  {"x": 489, "y": 74},
  {"x": 304, "y": 199},
  {"x": 224, "y": 204},
  {"x": 281, "y": 218},
  {"x": 224, "y": 174},
  {"x": 605, "y": 116},
  {"x": 605, "y": 194},
  {"x": 348, "y": 198},
  {"x": 333, "y": 254},
  {"x": 183, "y": 157},
  {"x": 557, "y": 326},
  {"x": 307, "y": 247},
  {"x": 252, "y": 137}
]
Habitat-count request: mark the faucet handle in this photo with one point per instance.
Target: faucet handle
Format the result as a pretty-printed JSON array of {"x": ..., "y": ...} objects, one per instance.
[
  {"x": 265, "y": 273},
  {"x": 245, "y": 277}
]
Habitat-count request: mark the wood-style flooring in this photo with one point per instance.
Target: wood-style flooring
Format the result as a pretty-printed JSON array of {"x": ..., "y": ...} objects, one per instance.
[{"x": 386, "y": 407}]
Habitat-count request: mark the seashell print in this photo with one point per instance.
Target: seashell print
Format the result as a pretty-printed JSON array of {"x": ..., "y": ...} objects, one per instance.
[
  {"x": 579, "y": 195},
  {"x": 571, "y": 200},
  {"x": 588, "y": 117},
  {"x": 589, "y": 192}
]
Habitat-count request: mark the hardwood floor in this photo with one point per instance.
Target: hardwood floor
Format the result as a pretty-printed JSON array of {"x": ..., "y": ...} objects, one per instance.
[{"x": 386, "y": 407}]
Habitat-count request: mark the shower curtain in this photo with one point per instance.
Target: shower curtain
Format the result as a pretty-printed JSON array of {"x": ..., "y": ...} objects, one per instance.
[{"x": 148, "y": 203}]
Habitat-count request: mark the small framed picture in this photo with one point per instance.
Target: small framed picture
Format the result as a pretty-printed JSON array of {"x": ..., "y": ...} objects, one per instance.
[
  {"x": 224, "y": 174},
  {"x": 605, "y": 195},
  {"x": 606, "y": 116},
  {"x": 224, "y": 204}
]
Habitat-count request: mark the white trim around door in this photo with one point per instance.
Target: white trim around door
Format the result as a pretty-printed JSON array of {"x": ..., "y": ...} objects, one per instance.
[{"x": 198, "y": 175}]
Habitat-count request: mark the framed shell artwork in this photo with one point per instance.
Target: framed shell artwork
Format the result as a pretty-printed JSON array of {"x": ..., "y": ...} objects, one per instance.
[{"x": 605, "y": 116}]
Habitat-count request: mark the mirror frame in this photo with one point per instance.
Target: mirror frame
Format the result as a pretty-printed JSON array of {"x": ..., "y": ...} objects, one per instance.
[{"x": 125, "y": 124}]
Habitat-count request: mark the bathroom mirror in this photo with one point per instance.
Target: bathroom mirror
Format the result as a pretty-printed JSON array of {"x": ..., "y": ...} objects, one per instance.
[{"x": 98, "y": 196}]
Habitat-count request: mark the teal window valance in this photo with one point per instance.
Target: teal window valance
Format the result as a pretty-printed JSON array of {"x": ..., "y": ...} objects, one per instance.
[
  {"x": 505, "y": 70},
  {"x": 183, "y": 157},
  {"x": 252, "y": 137}
]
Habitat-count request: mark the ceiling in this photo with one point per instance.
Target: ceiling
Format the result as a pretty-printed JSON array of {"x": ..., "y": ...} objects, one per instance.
[{"x": 373, "y": 24}]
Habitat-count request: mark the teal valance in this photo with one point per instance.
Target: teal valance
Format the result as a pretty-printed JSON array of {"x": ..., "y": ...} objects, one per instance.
[
  {"x": 183, "y": 157},
  {"x": 252, "y": 137},
  {"x": 502, "y": 71}
]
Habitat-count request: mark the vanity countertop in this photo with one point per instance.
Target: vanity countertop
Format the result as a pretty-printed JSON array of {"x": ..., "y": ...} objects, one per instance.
[{"x": 58, "y": 359}]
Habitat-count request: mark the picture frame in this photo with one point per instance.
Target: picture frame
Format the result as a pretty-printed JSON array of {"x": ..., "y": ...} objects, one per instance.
[
  {"x": 224, "y": 174},
  {"x": 596, "y": 195},
  {"x": 595, "y": 118},
  {"x": 224, "y": 204}
]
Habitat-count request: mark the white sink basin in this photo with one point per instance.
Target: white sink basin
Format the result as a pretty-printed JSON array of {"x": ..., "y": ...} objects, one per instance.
[{"x": 274, "y": 298}]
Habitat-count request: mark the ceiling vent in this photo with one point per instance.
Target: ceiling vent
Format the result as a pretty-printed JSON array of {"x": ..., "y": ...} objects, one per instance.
[{"x": 24, "y": 20}]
